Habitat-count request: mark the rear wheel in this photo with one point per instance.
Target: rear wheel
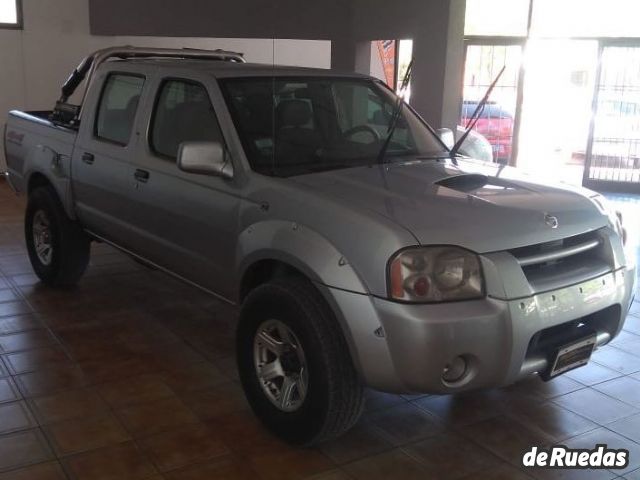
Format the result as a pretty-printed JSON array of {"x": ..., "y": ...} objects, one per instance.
[
  {"x": 295, "y": 365},
  {"x": 58, "y": 248}
]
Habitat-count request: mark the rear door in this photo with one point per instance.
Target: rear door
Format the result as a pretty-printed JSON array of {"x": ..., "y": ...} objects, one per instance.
[
  {"x": 102, "y": 158},
  {"x": 186, "y": 222}
]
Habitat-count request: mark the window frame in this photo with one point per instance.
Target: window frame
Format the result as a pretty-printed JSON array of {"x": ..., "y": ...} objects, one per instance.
[
  {"x": 19, "y": 24},
  {"x": 154, "y": 111},
  {"x": 103, "y": 89}
]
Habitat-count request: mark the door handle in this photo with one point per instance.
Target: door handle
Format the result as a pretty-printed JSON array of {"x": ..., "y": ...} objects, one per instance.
[
  {"x": 88, "y": 158},
  {"x": 141, "y": 175}
]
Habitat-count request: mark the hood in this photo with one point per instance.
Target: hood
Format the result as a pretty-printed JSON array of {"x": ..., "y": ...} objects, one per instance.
[{"x": 480, "y": 206}]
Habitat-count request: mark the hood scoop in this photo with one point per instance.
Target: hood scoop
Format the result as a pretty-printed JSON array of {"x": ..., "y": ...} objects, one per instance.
[{"x": 464, "y": 183}]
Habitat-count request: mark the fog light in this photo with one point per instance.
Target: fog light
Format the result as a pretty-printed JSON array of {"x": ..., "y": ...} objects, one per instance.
[{"x": 455, "y": 370}]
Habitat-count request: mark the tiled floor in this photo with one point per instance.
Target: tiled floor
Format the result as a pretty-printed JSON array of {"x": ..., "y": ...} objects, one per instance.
[{"x": 131, "y": 376}]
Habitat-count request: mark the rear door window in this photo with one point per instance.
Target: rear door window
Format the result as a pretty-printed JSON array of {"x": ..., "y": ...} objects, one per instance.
[{"x": 117, "y": 107}]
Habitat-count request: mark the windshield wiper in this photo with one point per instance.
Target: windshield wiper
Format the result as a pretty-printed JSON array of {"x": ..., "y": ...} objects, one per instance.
[
  {"x": 476, "y": 115},
  {"x": 397, "y": 111}
]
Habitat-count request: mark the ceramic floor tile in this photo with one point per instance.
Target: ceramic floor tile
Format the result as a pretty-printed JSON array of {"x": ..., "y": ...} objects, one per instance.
[
  {"x": 142, "y": 389},
  {"x": 216, "y": 401},
  {"x": 625, "y": 389},
  {"x": 502, "y": 472},
  {"x": 67, "y": 405},
  {"x": 223, "y": 468},
  {"x": 16, "y": 342},
  {"x": 15, "y": 416},
  {"x": 552, "y": 421},
  {"x": 362, "y": 441},
  {"x": 458, "y": 410},
  {"x": 554, "y": 388},
  {"x": 392, "y": 464},
  {"x": 42, "y": 471},
  {"x": 246, "y": 436},
  {"x": 375, "y": 400},
  {"x": 120, "y": 462},
  {"x": 592, "y": 374},
  {"x": 193, "y": 377},
  {"x": 617, "y": 360},
  {"x": 183, "y": 446},
  {"x": 405, "y": 423},
  {"x": 595, "y": 406},
  {"x": 291, "y": 464},
  {"x": 9, "y": 309},
  {"x": 451, "y": 456},
  {"x": 149, "y": 418},
  {"x": 36, "y": 359},
  {"x": 50, "y": 380},
  {"x": 8, "y": 391},
  {"x": 23, "y": 448},
  {"x": 19, "y": 323},
  {"x": 627, "y": 427},
  {"x": 7, "y": 295},
  {"x": 504, "y": 437},
  {"x": 613, "y": 441},
  {"x": 83, "y": 434}
]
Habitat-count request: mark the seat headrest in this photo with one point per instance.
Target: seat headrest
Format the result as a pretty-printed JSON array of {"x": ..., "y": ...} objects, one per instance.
[{"x": 294, "y": 113}]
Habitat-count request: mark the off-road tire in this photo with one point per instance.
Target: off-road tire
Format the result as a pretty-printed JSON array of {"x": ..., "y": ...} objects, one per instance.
[
  {"x": 335, "y": 395},
  {"x": 70, "y": 244}
]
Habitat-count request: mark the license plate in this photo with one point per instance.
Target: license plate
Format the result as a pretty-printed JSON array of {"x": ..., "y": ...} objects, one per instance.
[{"x": 574, "y": 355}]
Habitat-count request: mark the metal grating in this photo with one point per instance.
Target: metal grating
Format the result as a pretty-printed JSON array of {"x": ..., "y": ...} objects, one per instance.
[{"x": 615, "y": 145}]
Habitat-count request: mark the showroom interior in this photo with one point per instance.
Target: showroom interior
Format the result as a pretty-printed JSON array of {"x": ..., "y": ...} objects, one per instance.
[{"x": 132, "y": 373}]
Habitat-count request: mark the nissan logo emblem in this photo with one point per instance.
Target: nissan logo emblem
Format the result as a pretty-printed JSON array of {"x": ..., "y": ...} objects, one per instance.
[{"x": 551, "y": 221}]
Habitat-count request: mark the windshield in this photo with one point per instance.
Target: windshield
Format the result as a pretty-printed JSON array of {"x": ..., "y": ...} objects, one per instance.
[{"x": 299, "y": 125}]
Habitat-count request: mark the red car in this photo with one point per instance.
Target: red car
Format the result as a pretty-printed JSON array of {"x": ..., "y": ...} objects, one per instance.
[{"x": 496, "y": 124}]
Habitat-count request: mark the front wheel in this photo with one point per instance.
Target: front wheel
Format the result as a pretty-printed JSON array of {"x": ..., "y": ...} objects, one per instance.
[
  {"x": 295, "y": 365},
  {"x": 58, "y": 248}
]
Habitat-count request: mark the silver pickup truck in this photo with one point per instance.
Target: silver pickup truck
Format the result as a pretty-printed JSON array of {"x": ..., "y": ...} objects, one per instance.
[{"x": 414, "y": 271}]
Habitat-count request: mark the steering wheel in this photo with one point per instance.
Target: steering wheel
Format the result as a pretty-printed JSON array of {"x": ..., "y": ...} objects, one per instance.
[{"x": 363, "y": 128}]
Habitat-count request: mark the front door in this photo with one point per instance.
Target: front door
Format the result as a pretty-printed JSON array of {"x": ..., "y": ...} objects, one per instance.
[{"x": 187, "y": 222}]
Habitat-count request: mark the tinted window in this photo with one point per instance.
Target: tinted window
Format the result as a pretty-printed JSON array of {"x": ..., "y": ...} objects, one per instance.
[
  {"x": 183, "y": 113},
  {"x": 117, "y": 108}
]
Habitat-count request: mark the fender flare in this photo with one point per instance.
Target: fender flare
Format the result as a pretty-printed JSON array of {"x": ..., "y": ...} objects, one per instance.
[
  {"x": 311, "y": 254},
  {"x": 300, "y": 247}
]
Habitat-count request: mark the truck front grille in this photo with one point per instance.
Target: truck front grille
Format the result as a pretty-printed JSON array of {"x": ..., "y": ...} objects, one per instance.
[{"x": 563, "y": 262}]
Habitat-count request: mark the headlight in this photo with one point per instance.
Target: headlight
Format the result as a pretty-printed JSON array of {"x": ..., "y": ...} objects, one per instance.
[
  {"x": 615, "y": 217},
  {"x": 435, "y": 274}
]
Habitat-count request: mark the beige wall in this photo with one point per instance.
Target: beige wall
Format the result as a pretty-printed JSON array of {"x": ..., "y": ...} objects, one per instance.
[{"x": 34, "y": 62}]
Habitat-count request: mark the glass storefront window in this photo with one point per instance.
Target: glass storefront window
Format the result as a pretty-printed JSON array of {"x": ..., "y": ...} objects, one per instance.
[
  {"x": 496, "y": 17},
  {"x": 585, "y": 18},
  {"x": 497, "y": 120},
  {"x": 8, "y": 12}
]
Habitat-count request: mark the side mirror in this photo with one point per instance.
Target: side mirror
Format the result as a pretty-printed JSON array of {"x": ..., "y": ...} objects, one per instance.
[
  {"x": 207, "y": 158},
  {"x": 447, "y": 137}
]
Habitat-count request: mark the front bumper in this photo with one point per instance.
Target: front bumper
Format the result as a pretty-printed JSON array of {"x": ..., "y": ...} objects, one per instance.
[{"x": 502, "y": 340}]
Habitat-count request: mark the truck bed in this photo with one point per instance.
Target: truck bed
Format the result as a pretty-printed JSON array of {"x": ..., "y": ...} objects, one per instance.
[{"x": 32, "y": 142}]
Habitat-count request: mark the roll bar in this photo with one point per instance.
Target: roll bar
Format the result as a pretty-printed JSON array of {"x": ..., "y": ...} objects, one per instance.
[{"x": 70, "y": 114}]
